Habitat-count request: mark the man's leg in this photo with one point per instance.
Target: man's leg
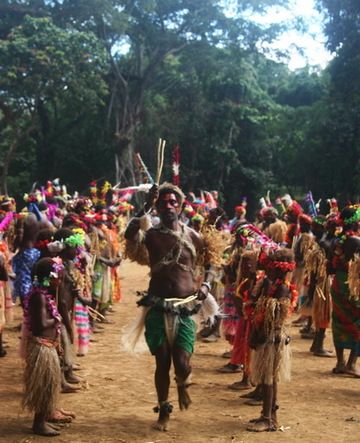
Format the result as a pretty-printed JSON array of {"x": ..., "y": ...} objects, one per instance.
[
  {"x": 351, "y": 368},
  {"x": 181, "y": 359},
  {"x": 318, "y": 344},
  {"x": 162, "y": 383},
  {"x": 340, "y": 364},
  {"x": 265, "y": 422}
]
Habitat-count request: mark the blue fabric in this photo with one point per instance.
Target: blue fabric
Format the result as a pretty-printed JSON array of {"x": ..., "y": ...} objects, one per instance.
[{"x": 22, "y": 265}]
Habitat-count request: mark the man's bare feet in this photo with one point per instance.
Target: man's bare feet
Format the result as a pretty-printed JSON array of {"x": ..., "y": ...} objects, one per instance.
[
  {"x": 69, "y": 389},
  {"x": 56, "y": 427},
  {"x": 323, "y": 353},
  {"x": 59, "y": 417},
  {"x": 72, "y": 378},
  {"x": 229, "y": 368},
  {"x": 45, "y": 430},
  {"x": 340, "y": 368},
  {"x": 162, "y": 424},
  {"x": 240, "y": 385},
  {"x": 253, "y": 402},
  {"x": 354, "y": 372},
  {"x": 256, "y": 393},
  {"x": 69, "y": 413},
  {"x": 184, "y": 397},
  {"x": 164, "y": 416},
  {"x": 263, "y": 424}
]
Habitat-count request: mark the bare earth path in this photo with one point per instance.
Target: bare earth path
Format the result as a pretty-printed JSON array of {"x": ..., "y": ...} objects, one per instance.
[{"x": 116, "y": 401}]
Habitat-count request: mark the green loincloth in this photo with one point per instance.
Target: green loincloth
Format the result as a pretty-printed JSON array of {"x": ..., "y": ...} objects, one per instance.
[{"x": 155, "y": 333}]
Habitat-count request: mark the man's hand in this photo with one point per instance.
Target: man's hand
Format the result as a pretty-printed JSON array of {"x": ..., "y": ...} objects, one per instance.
[{"x": 152, "y": 196}]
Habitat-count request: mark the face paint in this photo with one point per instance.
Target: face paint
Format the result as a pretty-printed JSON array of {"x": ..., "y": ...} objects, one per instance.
[
  {"x": 168, "y": 207},
  {"x": 168, "y": 201}
]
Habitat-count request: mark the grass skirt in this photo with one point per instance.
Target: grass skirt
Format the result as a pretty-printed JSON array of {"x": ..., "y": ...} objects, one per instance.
[
  {"x": 42, "y": 376},
  {"x": 271, "y": 363},
  {"x": 322, "y": 305}
]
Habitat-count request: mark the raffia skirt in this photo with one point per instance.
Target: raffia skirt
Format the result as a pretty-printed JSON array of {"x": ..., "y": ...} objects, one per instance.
[
  {"x": 271, "y": 362},
  {"x": 42, "y": 376}
]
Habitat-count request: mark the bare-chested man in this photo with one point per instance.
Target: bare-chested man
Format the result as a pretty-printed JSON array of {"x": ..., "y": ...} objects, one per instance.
[{"x": 172, "y": 295}]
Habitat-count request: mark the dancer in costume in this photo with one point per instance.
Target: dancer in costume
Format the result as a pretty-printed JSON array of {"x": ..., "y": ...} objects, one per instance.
[
  {"x": 170, "y": 249},
  {"x": 67, "y": 243},
  {"x": 272, "y": 226},
  {"x": 302, "y": 243},
  {"x": 106, "y": 260},
  {"x": 270, "y": 335},
  {"x": 345, "y": 292},
  {"x": 213, "y": 233},
  {"x": 42, "y": 374},
  {"x": 245, "y": 306},
  {"x": 291, "y": 215},
  {"x": 240, "y": 216},
  {"x": 230, "y": 322},
  {"x": 6, "y": 302},
  {"x": 319, "y": 288}
]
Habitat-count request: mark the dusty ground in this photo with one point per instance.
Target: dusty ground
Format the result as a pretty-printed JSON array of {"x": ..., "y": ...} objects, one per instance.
[{"x": 115, "y": 404}]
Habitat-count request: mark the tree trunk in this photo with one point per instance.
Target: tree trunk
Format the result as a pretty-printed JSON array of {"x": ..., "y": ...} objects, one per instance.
[{"x": 6, "y": 164}]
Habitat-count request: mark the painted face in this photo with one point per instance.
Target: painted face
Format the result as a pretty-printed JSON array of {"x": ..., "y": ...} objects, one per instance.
[{"x": 168, "y": 207}]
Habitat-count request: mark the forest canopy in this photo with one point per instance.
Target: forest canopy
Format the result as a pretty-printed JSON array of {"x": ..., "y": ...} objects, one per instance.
[{"x": 85, "y": 84}]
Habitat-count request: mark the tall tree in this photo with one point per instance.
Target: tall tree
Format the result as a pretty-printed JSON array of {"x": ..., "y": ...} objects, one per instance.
[
  {"x": 152, "y": 31},
  {"x": 342, "y": 139},
  {"x": 41, "y": 68}
]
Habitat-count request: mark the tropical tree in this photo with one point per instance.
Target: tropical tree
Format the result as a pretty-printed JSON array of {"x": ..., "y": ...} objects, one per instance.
[{"x": 43, "y": 69}]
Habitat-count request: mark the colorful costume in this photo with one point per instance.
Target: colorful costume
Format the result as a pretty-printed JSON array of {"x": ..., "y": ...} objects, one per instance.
[
  {"x": 240, "y": 354},
  {"x": 42, "y": 376},
  {"x": 102, "y": 290},
  {"x": 22, "y": 264},
  {"x": 346, "y": 309},
  {"x": 315, "y": 265},
  {"x": 230, "y": 322},
  {"x": 170, "y": 319},
  {"x": 270, "y": 337}
]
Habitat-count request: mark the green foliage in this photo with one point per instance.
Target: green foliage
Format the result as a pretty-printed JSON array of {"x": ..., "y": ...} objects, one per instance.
[
  {"x": 45, "y": 72},
  {"x": 85, "y": 81}
]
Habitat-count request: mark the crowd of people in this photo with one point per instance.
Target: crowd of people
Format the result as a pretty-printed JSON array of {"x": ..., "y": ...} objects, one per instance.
[{"x": 60, "y": 258}]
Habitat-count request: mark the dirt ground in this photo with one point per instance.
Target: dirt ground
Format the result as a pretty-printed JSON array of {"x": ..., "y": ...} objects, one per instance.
[{"x": 117, "y": 396}]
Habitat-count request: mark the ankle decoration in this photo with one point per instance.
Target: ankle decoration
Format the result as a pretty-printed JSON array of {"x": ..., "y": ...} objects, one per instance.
[{"x": 165, "y": 406}]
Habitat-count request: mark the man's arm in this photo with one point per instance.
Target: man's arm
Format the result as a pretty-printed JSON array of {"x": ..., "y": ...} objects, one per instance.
[
  {"x": 40, "y": 318},
  {"x": 200, "y": 246},
  {"x": 111, "y": 262},
  {"x": 63, "y": 310}
]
